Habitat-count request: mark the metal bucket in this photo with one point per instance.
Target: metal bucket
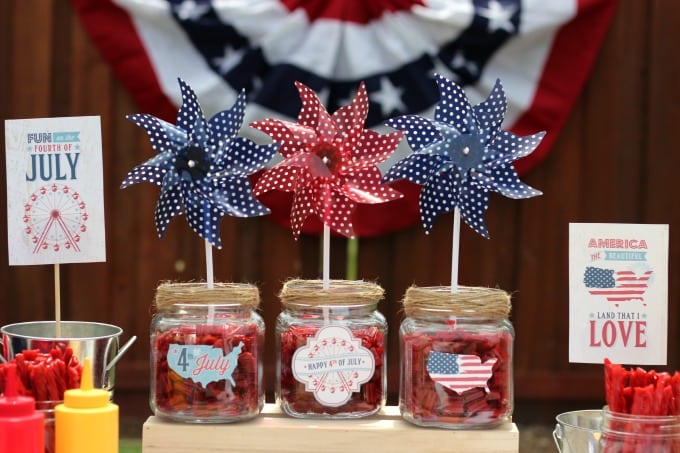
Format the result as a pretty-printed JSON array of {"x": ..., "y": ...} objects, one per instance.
[
  {"x": 97, "y": 341},
  {"x": 578, "y": 431}
]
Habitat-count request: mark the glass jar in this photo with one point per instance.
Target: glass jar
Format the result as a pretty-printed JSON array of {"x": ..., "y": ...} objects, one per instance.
[
  {"x": 456, "y": 358},
  {"x": 626, "y": 433},
  {"x": 330, "y": 349},
  {"x": 206, "y": 353}
]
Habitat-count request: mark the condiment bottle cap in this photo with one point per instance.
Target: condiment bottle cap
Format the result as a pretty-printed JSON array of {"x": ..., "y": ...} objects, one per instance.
[
  {"x": 86, "y": 397},
  {"x": 11, "y": 403}
]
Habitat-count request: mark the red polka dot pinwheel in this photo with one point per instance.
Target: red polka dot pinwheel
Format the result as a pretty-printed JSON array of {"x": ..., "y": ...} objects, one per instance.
[{"x": 329, "y": 161}]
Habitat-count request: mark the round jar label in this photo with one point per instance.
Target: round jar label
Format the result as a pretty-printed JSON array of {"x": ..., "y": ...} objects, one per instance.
[{"x": 332, "y": 365}]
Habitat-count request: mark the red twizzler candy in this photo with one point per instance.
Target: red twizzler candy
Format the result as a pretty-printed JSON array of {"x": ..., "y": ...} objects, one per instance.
[
  {"x": 184, "y": 398},
  {"x": 297, "y": 400},
  {"x": 45, "y": 376}
]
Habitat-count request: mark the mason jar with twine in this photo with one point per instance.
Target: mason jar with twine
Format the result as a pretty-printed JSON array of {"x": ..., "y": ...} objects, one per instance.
[
  {"x": 207, "y": 346},
  {"x": 197, "y": 293},
  {"x": 466, "y": 301},
  {"x": 456, "y": 363},
  {"x": 331, "y": 349}
]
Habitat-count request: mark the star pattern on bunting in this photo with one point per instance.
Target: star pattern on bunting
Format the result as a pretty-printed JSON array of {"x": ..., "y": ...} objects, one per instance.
[
  {"x": 329, "y": 161},
  {"x": 201, "y": 166},
  {"x": 238, "y": 58},
  {"x": 461, "y": 155}
]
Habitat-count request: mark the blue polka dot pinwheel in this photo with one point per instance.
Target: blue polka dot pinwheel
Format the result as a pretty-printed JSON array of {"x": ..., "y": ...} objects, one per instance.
[
  {"x": 202, "y": 167},
  {"x": 460, "y": 156}
]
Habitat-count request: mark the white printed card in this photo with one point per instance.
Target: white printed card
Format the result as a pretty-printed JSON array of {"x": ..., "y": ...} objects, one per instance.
[
  {"x": 618, "y": 293},
  {"x": 55, "y": 194}
]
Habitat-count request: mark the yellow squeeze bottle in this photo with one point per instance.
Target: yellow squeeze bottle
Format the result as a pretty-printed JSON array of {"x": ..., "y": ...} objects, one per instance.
[{"x": 87, "y": 421}]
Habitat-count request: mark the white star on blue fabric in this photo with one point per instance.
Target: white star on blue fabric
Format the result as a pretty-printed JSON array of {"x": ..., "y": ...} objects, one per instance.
[
  {"x": 499, "y": 16},
  {"x": 389, "y": 97},
  {"x": 202, "y": 166},
  {"x": 461, "y": 155}
]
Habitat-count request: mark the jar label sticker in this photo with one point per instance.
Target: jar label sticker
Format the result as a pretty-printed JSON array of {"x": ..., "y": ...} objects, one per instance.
[
  {"x": 333, "y": 365},
  {"x": 203, "y": 363},
  {"x": 459, "y": 372}
]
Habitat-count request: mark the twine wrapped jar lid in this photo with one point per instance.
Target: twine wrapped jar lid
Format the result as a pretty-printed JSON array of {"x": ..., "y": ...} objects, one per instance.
[
  {"x": 466, "y": 301},
  {"x": 198, "y": 293},
  {"x": 311, "y": 293}
]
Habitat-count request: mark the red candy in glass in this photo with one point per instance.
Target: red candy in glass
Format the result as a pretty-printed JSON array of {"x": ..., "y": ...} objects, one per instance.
[
  {"x": 331, "y": 349},
  {"x": 206, "y": 352},
  {"x": 456, "y": 357},
  {"x": 424, "y": 401},
  {"x": 296, "y": 400},
  {"x": 175, "y": 396},
  {"x": 643, "y": 410}
]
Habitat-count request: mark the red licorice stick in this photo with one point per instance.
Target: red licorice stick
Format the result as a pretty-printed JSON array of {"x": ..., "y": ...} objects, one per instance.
[
  {"x": 637, "y": 391},
  {"x": 45, "y": 376},
  {"x": 293, "y": 394},
  {"x": 175, "y": 395},
  {"x": 430, "y": 402}
]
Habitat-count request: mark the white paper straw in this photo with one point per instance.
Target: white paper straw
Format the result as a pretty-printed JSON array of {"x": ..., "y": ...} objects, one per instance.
[
  {"x": 326, "y": 256},
  {"x": 455, "y": 250},
  {"x": 210, "y": 279}
]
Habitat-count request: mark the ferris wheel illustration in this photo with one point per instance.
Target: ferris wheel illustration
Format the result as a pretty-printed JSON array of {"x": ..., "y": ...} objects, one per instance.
[{"x": 55, "y": 216}]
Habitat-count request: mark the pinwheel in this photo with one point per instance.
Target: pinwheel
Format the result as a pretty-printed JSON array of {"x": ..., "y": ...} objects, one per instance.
[
  {"x": 329, "y": 162},
  {"x": 460, "y": 156},
  {"x": 202, "y": 166}
]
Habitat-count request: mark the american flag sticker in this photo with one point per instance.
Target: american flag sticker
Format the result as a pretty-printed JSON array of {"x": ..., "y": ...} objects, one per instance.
[
  {"x": 618, "y": 293},
  {"x": 617, "y": 286},
  {"x": 459, "y": 372}
]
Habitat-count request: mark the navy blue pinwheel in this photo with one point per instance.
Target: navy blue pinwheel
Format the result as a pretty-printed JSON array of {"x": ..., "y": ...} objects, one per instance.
[
  {"x": 461, "y": 155},
  {"x": 202, "y": 166}
]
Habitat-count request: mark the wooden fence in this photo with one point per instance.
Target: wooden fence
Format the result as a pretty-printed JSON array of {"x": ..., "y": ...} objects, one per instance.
[{"x": 613, "y": 162}]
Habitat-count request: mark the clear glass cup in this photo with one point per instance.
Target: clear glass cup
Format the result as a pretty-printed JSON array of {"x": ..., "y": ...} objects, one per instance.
[{"x": 626, "y": 433}]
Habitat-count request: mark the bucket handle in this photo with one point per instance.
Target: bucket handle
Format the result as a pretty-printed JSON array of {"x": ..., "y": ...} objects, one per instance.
[
  {"x": 557, "y": 437},
  {"x": 122, "y": 351},
  {"x": 113, "y": 361}
]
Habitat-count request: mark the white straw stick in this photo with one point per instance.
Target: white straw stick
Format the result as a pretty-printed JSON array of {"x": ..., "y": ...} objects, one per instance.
[
  {"x": 57, "y": 301},
  {"x": 326, "y": 256},
  {"x": 455, "y": 250},
  {"x": 210, "y": 279}
]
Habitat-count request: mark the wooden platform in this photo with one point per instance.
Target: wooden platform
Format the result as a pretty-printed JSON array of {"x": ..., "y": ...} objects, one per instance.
[{"x": 274, "y": 431}]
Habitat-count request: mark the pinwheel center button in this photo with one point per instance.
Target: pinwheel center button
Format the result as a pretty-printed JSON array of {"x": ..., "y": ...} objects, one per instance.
[
  {"x": 329, "y": 154},
  {"x": 191, "y": 164},
  {"x": 466, "y": 150}
]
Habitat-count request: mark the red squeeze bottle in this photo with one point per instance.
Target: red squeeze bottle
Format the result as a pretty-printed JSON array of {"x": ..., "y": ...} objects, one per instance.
[{"x": 21, "y": 426}]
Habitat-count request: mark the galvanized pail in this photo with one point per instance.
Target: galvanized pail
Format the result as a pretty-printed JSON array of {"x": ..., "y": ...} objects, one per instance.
[
  {"x": 578, "y": 431},
  {"x": 97, "y": 341}
]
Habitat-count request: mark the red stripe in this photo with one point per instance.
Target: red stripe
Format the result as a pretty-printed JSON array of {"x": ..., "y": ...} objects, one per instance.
[
  {"x": 563, "y": 77},
  {"x": 114, "y": 34},
  {"x": 357, "y": 11},
  {"x": 605, "y": 292}
]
